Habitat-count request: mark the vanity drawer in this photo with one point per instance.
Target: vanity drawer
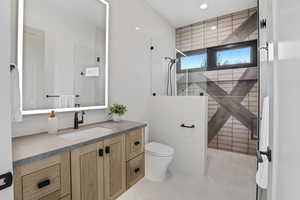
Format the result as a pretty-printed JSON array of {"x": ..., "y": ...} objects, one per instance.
[
  {"x": 41, "y": 183},
  {"x": 47, "y": 179},
  {"x": 134, "y": 143},
  {"x": 135, "y": 170}
]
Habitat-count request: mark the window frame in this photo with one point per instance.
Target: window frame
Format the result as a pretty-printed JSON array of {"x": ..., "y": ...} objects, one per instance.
[
  {"x": 191, "y": 53},
  {"x": 211, "y": 55}
]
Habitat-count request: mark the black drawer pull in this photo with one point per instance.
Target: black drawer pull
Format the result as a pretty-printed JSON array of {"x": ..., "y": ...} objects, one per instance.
[
  {"x": 100, "y": 152},
  {"x": 137, "y": 143},
  {"x": 107, "y": 149},
  {"x": 43, "y": 184},
  {"x": 136, "y": 170}
]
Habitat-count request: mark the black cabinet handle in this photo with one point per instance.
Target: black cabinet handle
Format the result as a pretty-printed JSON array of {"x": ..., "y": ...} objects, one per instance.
[
  {"x": 107, "y": 149},
  {"x": 136, "y": 170},
  {"x": 100, "y": 152},
  {"x": 184, "y": 126},
  {"x": 43, "y": 184},
  {"x": 137, "y": 143}
]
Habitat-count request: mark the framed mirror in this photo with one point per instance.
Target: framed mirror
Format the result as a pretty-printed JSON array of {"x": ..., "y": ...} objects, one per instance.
[{"x": 63, "y": 55}]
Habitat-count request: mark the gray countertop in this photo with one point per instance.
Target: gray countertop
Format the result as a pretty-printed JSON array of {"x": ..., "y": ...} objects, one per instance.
[{"x": 31, "y": 148}]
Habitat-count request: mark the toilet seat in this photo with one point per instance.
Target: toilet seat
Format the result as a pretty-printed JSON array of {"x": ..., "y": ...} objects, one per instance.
[{"x": 160, "y": 150}]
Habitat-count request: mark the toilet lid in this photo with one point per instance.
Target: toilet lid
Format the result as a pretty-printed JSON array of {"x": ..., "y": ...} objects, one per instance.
[{"x": 159, "y": 149}]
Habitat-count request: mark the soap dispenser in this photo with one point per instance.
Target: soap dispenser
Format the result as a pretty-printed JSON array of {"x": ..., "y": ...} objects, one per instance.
[{"x": 52, "y": 123}]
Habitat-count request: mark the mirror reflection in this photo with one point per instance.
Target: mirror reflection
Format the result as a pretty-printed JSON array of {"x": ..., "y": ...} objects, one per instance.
[{"x": 64, "y": 54}]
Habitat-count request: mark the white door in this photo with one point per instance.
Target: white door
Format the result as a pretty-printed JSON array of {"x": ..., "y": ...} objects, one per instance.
[
  {"x": 5, "y": 124},
  {"x": 266, "y": 75}
]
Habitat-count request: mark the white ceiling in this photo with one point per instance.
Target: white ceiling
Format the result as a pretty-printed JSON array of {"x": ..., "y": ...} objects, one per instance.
[{"x": 184, "y": 12}]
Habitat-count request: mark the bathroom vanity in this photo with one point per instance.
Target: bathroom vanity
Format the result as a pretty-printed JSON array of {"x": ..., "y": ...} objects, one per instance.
[{"x": 97, "y": 162}]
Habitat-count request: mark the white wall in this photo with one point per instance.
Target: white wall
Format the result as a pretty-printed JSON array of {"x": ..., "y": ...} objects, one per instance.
[
  {"x": 129, "y": 63},
  {"x": 287, "y": 95},
  {"x": 131, "y": 56},
  {"x": 166, "y": 116},
  {"x": 5, "y": 134}
]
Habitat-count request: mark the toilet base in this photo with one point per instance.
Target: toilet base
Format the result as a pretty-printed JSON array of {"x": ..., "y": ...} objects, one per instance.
[{"x": 156, "y": 167}]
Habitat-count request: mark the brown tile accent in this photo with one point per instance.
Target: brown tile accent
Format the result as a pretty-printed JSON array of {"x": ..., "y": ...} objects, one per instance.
[{"x": 239, "y": 26}]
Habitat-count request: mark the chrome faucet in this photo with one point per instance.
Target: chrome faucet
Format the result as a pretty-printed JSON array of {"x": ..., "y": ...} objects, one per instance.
[{"x": 77, "y": 121}]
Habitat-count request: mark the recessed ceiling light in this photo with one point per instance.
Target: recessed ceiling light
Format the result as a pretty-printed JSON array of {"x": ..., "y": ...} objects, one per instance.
[
  {"x": 213, "y": 27},
  {"x": 204, "y": 6},
  {"x": 137, "y": 28}
]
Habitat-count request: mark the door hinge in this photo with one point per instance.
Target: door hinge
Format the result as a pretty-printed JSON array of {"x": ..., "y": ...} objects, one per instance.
[{"x": 263, "y": 23}]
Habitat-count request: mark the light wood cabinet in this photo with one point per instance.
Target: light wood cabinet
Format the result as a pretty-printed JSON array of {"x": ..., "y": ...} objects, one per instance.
[
  {"x": 134, "y": 143},
  {"x": 45, "y": 179},
  {"x": 99, "y": 171},
  {"x": 135, "y": 170},
  {"x": 87, "y": 172},
  {"x": 114, "y": 167}
]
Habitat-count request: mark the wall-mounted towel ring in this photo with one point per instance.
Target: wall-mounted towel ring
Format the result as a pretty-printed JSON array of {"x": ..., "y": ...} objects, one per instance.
[{"x": 185, "y": 126}]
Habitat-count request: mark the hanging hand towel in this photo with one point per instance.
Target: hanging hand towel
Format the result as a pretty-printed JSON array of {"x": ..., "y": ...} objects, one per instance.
[
  {"x": 262, "y": 172},
  {"x": 16, "y": 114}
]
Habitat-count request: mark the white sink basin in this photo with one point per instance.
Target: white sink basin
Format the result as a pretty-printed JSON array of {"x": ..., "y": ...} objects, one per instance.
[{"x": 87, "y": 133}]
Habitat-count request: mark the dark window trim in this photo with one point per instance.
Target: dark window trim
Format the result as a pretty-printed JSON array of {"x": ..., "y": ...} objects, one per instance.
[
  {"x": 190, "y": 53},
  {"x": 211, "y": 57}
]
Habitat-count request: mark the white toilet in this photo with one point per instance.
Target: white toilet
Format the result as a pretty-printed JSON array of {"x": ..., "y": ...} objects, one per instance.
[{"x": 158, "y": 159}]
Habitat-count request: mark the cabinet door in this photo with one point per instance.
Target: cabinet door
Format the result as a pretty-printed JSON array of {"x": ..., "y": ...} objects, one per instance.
[
  {"x": 87, "y": 172},
  {"x": 114, "y": 167}
]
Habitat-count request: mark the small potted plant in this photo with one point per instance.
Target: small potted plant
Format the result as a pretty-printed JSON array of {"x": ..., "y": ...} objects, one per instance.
[{"x": 116, "y": 111}]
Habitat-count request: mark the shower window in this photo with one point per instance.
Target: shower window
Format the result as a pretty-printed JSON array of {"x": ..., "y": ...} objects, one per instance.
[
  {"x": 193, "y": 61},
  {"x": 233, "y": 56},
  {"x": 237, "y": 55}
]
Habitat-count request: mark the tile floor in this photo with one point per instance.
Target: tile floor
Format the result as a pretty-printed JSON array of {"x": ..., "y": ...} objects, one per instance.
[{"x": 230, "y": 176}]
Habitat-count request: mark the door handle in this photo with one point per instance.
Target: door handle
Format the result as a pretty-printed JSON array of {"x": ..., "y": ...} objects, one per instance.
[
  {"x": 267, "y": 153},
  {"x": 6, "y": 180},
  {"x": 266, "y": 48},
  {"x": 137, "y": 143}
]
